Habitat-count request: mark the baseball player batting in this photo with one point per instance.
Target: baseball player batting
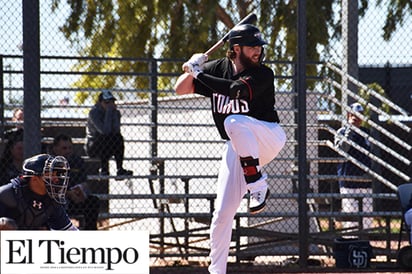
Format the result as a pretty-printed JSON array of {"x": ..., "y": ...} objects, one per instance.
[
  {"x": 242, "y": 95},
  {"x": 35, "y": 200}
]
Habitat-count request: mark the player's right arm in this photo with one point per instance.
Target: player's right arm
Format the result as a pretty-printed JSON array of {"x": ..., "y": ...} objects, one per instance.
[
  {"x": 184, "y": 84},
  {"x": 194, "y": 66},
  {"x": 59, "y": 220},
  {"x": 7, "y": 200}
]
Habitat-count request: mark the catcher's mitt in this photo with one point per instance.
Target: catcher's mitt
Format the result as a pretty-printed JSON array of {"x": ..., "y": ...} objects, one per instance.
[{"x": 7, "y": 224}]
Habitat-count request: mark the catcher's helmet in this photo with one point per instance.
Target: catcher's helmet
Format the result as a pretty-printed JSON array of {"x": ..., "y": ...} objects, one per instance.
[
  {"x": 53, "y": 170},
  {"x": 246, "y": 35}
]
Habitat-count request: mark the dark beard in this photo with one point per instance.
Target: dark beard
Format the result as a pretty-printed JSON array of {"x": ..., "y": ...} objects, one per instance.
[{"x": 246, "y": 62}]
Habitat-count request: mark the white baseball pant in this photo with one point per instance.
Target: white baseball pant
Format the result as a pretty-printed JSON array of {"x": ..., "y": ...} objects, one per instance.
[{"x": 249, "y": 137}]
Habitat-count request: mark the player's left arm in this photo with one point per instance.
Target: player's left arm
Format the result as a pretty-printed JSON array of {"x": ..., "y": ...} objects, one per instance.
[
  {"x": 70, "y": 227},
  {"x": 217, "y": 84},
  {"x": 235, "y": 89},
  {"x": 59, "y": 220},
  {"x": 246, "y": 87}
]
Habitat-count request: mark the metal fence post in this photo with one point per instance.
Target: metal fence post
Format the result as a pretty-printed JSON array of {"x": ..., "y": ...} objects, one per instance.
[
  {"x": 31, "y": 56},
  {"x": 153, "y": 147},
  {"x": 1, "y": 98},
  {"x": 154, "y": 106},
  {"x": 350, "y": 47},
  {"x": 302, "y": 161}
]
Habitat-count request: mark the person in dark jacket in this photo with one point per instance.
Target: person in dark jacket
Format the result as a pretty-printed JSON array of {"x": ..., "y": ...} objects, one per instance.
[
  {"x": 354, "y": 180},
  {"x": 104, "y": 138}
]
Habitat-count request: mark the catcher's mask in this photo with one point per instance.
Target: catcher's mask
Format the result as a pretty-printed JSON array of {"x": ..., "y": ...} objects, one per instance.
[{"x": 54, "y": 172}]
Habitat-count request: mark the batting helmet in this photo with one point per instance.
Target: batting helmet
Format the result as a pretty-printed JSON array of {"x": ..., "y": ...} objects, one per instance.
[
  {"x": 246, "y": 35},
  {"x": 53, "y": 170}
]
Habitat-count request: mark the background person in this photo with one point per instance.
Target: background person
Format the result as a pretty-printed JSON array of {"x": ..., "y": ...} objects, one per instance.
[
  {"x": 18, "y": 117},
  {"x": 11, "y": 161},
  {"x": 103, "y": 136},
  {"x": 80, "y": 201},
  {"x": 35, "y": 200},
  {"x": 17, "y": 120},
  {"x": 347, "y": 168}
]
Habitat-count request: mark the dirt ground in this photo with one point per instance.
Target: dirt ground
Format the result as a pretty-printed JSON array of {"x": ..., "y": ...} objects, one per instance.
[
  {"x": 268, "y": 270},
  {"x": 245, "y": 268},
  {"x": 278, "y": 264}
]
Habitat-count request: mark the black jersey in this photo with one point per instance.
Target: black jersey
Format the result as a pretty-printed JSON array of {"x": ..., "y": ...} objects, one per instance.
[
  {"x": 261, "y": 81},
  {"x": 30, "y": 210}
]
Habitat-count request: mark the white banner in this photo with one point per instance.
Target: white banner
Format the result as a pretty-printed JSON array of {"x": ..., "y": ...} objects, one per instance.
[{"x": 74, "y": 252}]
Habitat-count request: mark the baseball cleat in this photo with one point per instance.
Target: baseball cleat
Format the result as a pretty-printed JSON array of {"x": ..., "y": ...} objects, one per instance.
[
  {"x": 124, "y": 172},
  {"x": 257, "y": 200}
]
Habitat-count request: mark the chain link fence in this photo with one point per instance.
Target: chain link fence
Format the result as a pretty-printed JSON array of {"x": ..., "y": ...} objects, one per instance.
[{"x": 173, "y": 147}]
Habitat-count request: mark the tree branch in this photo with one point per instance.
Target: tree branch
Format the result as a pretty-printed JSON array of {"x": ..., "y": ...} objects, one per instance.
[{"x": 224, "y": 17}]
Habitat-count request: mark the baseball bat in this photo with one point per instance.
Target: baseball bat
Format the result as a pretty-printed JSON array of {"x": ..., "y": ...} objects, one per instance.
[{"x": 251, "y": 18}]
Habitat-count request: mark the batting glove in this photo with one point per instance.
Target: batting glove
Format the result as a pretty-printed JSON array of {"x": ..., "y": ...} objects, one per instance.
[
  {"x": 194, "y": 64},
  {"x": 193, "y": 69},
  {"x": 198, "y": 58}
]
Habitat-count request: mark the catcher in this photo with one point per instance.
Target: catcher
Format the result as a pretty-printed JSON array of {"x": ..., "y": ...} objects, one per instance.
[{"x": 35, "y": 200}]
